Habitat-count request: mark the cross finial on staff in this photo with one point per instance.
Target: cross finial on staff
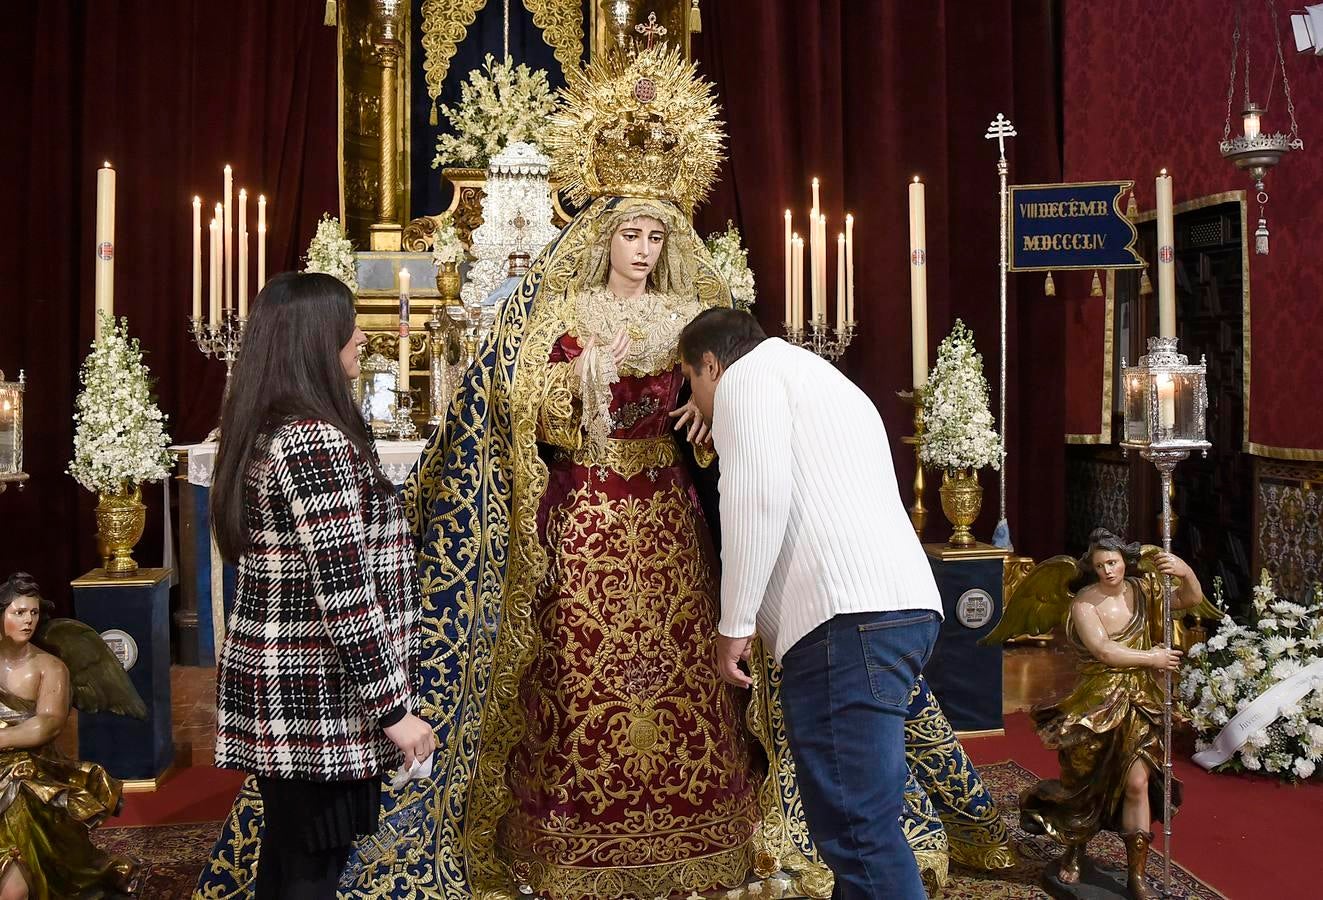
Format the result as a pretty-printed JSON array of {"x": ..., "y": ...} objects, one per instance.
[
  {"x": 652, "y": 29},
  {"x": 1001, "y": 128}
]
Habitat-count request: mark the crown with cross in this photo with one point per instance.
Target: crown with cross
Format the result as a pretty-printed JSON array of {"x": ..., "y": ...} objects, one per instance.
[{"x": 638, "y": 125}]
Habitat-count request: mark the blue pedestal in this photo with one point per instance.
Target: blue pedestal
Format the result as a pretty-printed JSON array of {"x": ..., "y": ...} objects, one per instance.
[
  {"x": 965, "y": 677},
  {"x": 139, "y": 605}
]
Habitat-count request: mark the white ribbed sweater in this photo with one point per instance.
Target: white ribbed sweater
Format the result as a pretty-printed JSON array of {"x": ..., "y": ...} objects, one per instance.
[{"x": 812, "y": 524}]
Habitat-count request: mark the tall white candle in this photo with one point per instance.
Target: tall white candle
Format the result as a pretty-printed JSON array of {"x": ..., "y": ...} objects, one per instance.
[
  {"x": 213, "y": 273},
  {"x": 840, "y": 282},
  {"x": 105, "y": 245},
  {"x": 918, "y": 283},
  {"x": 243, "y": 253},
  {"x": 790, "y": 252},
  {"x": 1166, "y": 259},
  {"x": 849, "y": 268},
  {"x": 798, "y": 317},
  {"x": 812, "y": 262},
  {"x": 404, "y": 330},
  {"x": 820, "y": 314},
  {"x": 227, "y": 232},
  {"x": 816, "y": 206},
  {"x": 261, "y": 241},
  {"x": 197, "y": 258}
]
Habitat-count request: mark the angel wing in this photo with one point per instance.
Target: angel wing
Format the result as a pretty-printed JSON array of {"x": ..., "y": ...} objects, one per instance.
[
  {"x": 1148, "y": 563},
  {"x": 1039, "y": 603},
  {"x": 99, "y": 682}
]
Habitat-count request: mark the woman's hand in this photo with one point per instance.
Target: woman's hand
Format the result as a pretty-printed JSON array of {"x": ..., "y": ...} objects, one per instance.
[
  {"x": 1165, "y": 659},
  {"x": 414, "y": 738},
  {"x": 618, "y": 348},
  {"x": 698, "y": 433}
]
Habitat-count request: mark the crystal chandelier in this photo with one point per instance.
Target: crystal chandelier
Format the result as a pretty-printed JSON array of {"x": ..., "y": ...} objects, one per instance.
[{"x": 1255, "y": 151}]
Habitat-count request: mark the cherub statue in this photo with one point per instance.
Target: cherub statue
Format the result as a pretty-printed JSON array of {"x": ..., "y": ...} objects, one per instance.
[
  {"x": 48, "y": 803},
  {"x": 1108, "y": 730}
]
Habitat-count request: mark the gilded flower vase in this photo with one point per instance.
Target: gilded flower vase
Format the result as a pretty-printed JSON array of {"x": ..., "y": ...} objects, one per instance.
[
  {"x": 962, "y": 496},
  {"x": 447, "y": 283},
  {"x": 120, "y": 519}
]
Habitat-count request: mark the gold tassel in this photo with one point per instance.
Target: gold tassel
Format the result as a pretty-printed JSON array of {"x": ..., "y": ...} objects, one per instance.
[
  {"x": 1049, "y": 286},
  {"x": 431, "y": 117},
  {"x": 1096, "y": 290},
  {"x": 1132, "y": 208},
  {"x": 695, "y": 18},
  {"x": 1145, "y": 286},
  {"x": 331, "y": 17}
]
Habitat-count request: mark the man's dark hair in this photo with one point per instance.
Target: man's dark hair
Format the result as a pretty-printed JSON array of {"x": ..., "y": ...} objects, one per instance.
[
  {"x": 726, "y": 333},
  {"x": 21, "y": 584}
]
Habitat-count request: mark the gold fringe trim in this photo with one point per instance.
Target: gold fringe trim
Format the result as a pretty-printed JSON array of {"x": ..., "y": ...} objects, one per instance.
[
  {"x": 561, "y": 22},
  {"x": 445, "y": 22}
]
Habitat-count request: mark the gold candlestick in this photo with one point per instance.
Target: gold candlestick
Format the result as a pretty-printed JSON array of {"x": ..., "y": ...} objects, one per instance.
[{"x": 918, "y": 512}]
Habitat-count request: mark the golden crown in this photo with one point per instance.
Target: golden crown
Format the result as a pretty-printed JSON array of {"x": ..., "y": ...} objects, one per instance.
[{"x": 637, "y": 126}]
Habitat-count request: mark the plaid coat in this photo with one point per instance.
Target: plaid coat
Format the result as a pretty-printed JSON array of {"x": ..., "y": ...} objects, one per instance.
[{"x": 323, "y": 637}]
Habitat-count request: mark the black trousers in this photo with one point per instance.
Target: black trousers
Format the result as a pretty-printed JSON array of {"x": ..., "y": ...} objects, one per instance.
[{"x": 308, "y": 829}]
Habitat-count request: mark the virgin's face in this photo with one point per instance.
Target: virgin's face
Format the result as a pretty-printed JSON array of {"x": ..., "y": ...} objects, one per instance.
[
  {"x": 635, "y": 248},
  {"x": 349, "y": 353},
  {"x": 1109, "y": 566}
]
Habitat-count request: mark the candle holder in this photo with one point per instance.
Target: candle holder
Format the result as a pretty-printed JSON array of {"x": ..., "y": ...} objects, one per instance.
[
  {"x": 1166, "y": 400},
  {"x": 219, "y": 340},
  {"x": 827, "y": 342},
  {"x": 402, "y": 427},
  {"x": 11, "y": 431},
  {"x": 918, "y": 512}
]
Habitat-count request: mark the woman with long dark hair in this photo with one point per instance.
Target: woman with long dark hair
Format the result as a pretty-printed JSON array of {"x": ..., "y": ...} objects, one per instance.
[{"x": 316, "y": 678}]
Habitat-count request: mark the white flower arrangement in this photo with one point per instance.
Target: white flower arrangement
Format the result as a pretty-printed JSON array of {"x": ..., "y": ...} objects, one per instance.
[
  {"x": 119, "y": 431},
  {"x": 498, "y": 104},
  {"x": 1224, "y": 674},
  {"x": 446, "y": 245},
  {"x": 732, "y": 261},
  {"x": 332, "y": 252},
  {"x": 959, "y": 432}
]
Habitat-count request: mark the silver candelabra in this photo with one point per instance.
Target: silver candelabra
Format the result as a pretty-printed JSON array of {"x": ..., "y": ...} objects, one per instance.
[
  {"x": 219, "y": 340},
  {"x": 829, "y": 343}
]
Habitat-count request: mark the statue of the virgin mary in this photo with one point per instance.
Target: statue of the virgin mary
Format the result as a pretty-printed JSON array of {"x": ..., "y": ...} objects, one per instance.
[{"x": 587, "y": 748}]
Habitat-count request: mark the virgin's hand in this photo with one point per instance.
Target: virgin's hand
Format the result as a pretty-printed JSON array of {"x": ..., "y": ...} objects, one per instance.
[
  {"x": 697, "y": 432},
  {"x": 1165, "y": 659},
  {"x": 414, "y": 738},
  {"x": 1173, "y": 565},
  {"x": 619, "y": 347}
]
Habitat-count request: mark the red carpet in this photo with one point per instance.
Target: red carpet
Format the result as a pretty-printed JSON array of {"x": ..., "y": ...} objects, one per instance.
[
  {"x": 200, "y": 794},
  {"x": 1248, "y": 836}
]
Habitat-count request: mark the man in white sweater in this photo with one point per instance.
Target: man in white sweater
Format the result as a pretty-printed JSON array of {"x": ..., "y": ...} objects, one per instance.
[{"x": 819, "y": 560}]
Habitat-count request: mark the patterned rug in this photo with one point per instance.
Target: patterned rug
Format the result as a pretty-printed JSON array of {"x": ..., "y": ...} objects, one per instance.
[
  {"x": 1006, "y": 780},
  {"x": 173, "y": 855}
]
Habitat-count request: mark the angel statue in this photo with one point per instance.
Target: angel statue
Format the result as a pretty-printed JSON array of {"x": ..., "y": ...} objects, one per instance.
[
  {"x": 587, "y": 747},
  {"x": 1108, "y": 730},
  {"x": 50, "y": 804}
]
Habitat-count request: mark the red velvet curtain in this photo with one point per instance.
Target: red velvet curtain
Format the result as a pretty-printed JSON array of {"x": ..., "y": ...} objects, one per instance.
[
  {"x": 169, "y": 93},
  {"x": 865, "y": 94}
]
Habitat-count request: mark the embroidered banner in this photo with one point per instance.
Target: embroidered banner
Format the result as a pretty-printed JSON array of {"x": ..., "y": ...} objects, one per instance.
[{"x": 1070, "y": 226}]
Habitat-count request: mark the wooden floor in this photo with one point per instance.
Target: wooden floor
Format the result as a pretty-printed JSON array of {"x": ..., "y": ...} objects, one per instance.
[{"x": 1031, "y": 675}]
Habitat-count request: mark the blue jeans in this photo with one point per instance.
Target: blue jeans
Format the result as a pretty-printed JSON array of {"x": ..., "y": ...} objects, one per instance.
[{"x": 845, "y": 695}]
